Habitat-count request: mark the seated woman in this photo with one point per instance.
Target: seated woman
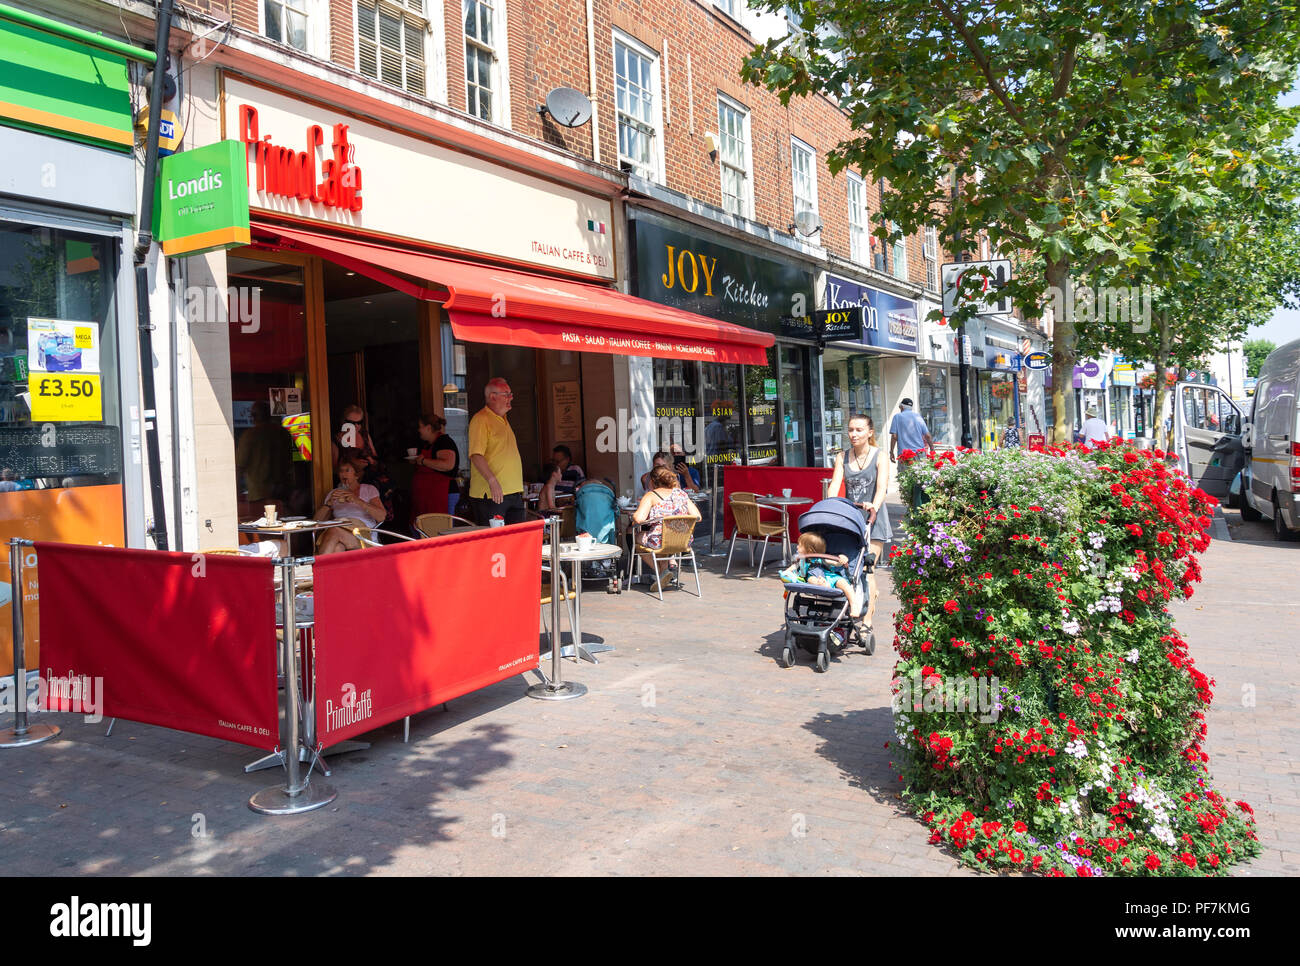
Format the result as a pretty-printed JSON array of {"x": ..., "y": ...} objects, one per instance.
[
  {"x": 666, "y": 498},
  {"x": 546, "y": 504},
  {"x": 350, "y": 500},
  {"x": 660, "y": 459}
]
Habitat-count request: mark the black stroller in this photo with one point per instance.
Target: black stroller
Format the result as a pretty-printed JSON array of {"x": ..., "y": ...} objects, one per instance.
[{"x": 814, "y": 613}]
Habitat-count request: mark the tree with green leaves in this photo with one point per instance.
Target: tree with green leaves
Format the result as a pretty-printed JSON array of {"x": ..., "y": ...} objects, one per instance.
[
  {"x": 1257, "y": 350},
  {"x": 1031, "y": 120}
]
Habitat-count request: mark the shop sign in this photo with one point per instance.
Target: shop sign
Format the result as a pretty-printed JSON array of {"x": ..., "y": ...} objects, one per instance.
[
  {"x": 688, "y": 270},
  {"x": 202, "y": 200},
  {"x": 1038, "y": 360},
  {"x": 61, "y": 87},
  {"x": 1001, "y": 359},
  {"x": 1123, "y": 374},
  {"x": 307, "y": 162},
  {"x": 840, "y": 325},
  {"x": 769, "y": 388},
  {"x": 802, "y": 327},
  {"x": 37, "y": 451},
  {"x": 888, "y": 322}
]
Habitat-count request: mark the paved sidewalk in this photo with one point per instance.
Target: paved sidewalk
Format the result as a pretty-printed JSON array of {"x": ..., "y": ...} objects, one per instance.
[{"x": 694, "y": 752}]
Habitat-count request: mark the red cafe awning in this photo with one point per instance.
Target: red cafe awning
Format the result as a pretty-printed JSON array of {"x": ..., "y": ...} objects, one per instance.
[{"x": 510, "y": 307}]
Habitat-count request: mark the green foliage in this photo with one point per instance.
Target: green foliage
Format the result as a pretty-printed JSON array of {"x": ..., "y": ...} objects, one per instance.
[
  {"x": 1257, "y": 350},
  {"x": 1046, "y": 576}
]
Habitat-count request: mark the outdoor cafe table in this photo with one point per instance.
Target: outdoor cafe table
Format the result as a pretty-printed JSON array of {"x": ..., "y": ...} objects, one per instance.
[
  {"x": 281, "y": 531},
  {"x": 783, "y": 503},
  {"x": 571, "y": 554}
]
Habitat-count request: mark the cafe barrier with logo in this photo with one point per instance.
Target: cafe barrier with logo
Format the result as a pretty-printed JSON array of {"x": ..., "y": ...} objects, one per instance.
[
  {"x": 178, "y": 640},
  {"x": 188, "y": 641},
  {"x": 805, "y": 481},
  {"x": 403, "y": 628}
]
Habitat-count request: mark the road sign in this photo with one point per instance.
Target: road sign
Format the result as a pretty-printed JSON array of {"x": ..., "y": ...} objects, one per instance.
[
  {"x": 988, "y": 303},
  {"x": 1038, "y": 360}
]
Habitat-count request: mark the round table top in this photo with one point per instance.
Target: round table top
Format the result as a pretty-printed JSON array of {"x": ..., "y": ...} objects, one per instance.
[
  {"x": 783, "y": 500},
  {"x": 294, "y": 526},
  {"x": 597, "y": 551}
]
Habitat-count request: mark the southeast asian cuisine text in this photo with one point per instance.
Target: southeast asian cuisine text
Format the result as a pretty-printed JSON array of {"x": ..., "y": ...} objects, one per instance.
[{"x": 294, "y": 174}]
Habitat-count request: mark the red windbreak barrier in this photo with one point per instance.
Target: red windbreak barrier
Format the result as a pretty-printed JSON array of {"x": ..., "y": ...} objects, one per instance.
[
  {"x": 179, "y": 640},
  {"x": 805, "y": 481},
  {"x": 402, "y": 628}
]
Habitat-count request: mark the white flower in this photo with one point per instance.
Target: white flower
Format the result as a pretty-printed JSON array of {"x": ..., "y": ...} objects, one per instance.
[
  {"x": 1097, "y": 540},
  {"x": 1132, "y": 656},
  {"x": 1077, "y": 748},
  {"x": 1071, "y": 627}
]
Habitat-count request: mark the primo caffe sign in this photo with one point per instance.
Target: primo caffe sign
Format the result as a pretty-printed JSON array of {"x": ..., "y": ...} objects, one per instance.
[
  {"x": 700, "y": 273},
  {"x": 321, "y": 163}
]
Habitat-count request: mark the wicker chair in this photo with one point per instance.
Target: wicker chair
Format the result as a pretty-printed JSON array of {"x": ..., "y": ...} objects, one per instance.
[
  {"x": 678, "y": 534},
  {"x": 751, "y": 528},
  {"x": 436, "y": 524}
]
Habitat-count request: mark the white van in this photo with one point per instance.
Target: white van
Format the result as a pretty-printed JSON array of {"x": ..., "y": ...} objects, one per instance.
[
  {"x": 1207, "y": 437},
  {"x": 1271, "y": 477}
]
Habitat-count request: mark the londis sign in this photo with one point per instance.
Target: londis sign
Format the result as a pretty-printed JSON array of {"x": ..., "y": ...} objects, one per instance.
[{"x": 288, "y": 173}]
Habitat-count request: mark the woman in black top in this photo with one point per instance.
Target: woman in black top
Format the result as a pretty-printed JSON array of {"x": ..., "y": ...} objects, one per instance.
[{"x": 436, "y": 466}]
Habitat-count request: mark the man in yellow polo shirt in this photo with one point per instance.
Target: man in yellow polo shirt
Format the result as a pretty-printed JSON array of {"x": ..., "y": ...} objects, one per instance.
[{"x": 496, "y": 476}]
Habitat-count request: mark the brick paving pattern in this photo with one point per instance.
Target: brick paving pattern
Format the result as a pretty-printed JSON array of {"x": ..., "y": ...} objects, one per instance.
[{"x": 694, "y": 752}]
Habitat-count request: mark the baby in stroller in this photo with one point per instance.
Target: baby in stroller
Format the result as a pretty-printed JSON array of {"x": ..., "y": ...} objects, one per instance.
[
  {"x": 825, "y": 586},
  {"x": 812, "y": 565}
]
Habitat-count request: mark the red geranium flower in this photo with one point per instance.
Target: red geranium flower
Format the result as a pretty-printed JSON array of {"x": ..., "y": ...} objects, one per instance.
[
  {"x": 950, "y": 606},
  {"x": 1152, "y": 862}
]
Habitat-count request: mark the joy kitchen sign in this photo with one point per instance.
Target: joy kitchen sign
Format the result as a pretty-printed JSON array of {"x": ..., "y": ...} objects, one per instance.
[{"x": 700, "y": 274}]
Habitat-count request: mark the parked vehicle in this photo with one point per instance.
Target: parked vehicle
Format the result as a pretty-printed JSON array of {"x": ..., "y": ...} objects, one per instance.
[
  {"x": 1207, "y": 437},
  {"x": 1271, "y": 476}
]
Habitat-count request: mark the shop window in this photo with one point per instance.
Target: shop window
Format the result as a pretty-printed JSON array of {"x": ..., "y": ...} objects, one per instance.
[
  {"x": 636, "y": 91},
  {"x": 852, "y": 384},
  {"x": 482, "y": 60},
  {"x": 390, "y": 42},
  {"x": 269, "y": 389},
  {"x": 60, "y": 410},
  {"x": 734, "y": 158},
  {"x": 935, "y": 405}
]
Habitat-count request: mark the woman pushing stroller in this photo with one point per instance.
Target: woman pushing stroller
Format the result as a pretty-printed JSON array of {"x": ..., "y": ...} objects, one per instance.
[{"x": 863, "y": 469}]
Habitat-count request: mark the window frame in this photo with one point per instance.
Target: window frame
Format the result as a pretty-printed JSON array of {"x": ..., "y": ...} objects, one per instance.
[
  {"x": 634, "y": 46},
  {"x": 317, "y": 13},
  {"x": 930, "y": 254},
  {"x": 500, "y": 72},
  {"x": 898, "y": 255},
  {"x": 860, "y": 233},
  {"x": 423, "y": 27},
  {"x": 798, "y": 146},
  {"x": 747, "y": 173}
]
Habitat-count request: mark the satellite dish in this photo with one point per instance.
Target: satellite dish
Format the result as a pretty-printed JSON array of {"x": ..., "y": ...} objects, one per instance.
[
  {"x": 569, "y": 107},
  {"x": 807, "y": 222}
]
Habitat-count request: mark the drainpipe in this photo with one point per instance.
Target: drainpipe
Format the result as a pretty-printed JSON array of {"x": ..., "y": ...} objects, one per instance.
[
  {"x": 591, "y": 71},
  {"x": 144, "y": 243}
]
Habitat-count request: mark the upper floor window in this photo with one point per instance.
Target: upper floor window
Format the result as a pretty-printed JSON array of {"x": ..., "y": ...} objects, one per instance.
[
  {"x": 730, "y": 7},
  {"x": 636, "y": 89},
  {"x": 390, "y": 42},
  {"x": 734, "y": 158},
  {"x": 930, "y": 252},
  {"x": 803, "y": 168},
  {"x": 900, "y": 255},
  {"x": 482, "y": 77},
  {"x": 859, "y": 243},
  {"x": 286, "y": 21}
]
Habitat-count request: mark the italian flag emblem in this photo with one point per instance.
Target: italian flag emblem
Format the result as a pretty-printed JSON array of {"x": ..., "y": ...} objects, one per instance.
[{"x": 597, "y": 226}]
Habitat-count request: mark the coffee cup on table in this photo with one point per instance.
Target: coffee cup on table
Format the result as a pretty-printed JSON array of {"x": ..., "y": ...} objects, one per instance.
[
  {"x": 584, "y": 541},
  {"x": 786, "y": 493},
  {"x": 269, "y": 511},
  {"x": 410, "y": 452}
]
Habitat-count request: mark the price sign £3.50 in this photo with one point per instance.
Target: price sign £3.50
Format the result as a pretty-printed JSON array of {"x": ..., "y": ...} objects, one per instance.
[{"x": 65, "y": 397}]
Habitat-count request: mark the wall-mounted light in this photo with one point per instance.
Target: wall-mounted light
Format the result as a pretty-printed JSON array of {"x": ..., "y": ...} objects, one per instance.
[
  {"x": 711, "y": 140},
  {"x": 451, "y": 387}
]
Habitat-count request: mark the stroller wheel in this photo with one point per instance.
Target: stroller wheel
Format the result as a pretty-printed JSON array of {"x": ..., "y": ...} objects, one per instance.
[
  {"x": 787, "y": 653},
  {"x": 823, "y": 661},
  {"x": 869, "y": 642}
]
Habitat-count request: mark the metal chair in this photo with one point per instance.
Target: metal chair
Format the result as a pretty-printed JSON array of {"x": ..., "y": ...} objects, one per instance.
[
  {"x": 367, "y": 542},
  {"x": 436, "y": 524},
  {"x": 677, "y": 543},
  {"x": 751, "y": 528}
]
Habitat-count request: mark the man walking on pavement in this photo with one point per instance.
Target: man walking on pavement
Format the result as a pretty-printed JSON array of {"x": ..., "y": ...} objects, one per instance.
[
  {"x": 496, "y": 478},
  {"x": 1094, "y": 429},
  {"x": 907, "y": 430}
]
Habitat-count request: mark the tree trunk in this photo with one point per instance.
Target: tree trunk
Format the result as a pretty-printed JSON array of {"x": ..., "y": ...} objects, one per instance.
[
  {"x": 1161, "y": 364},
  {"x": 1063, "y": 351}
]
